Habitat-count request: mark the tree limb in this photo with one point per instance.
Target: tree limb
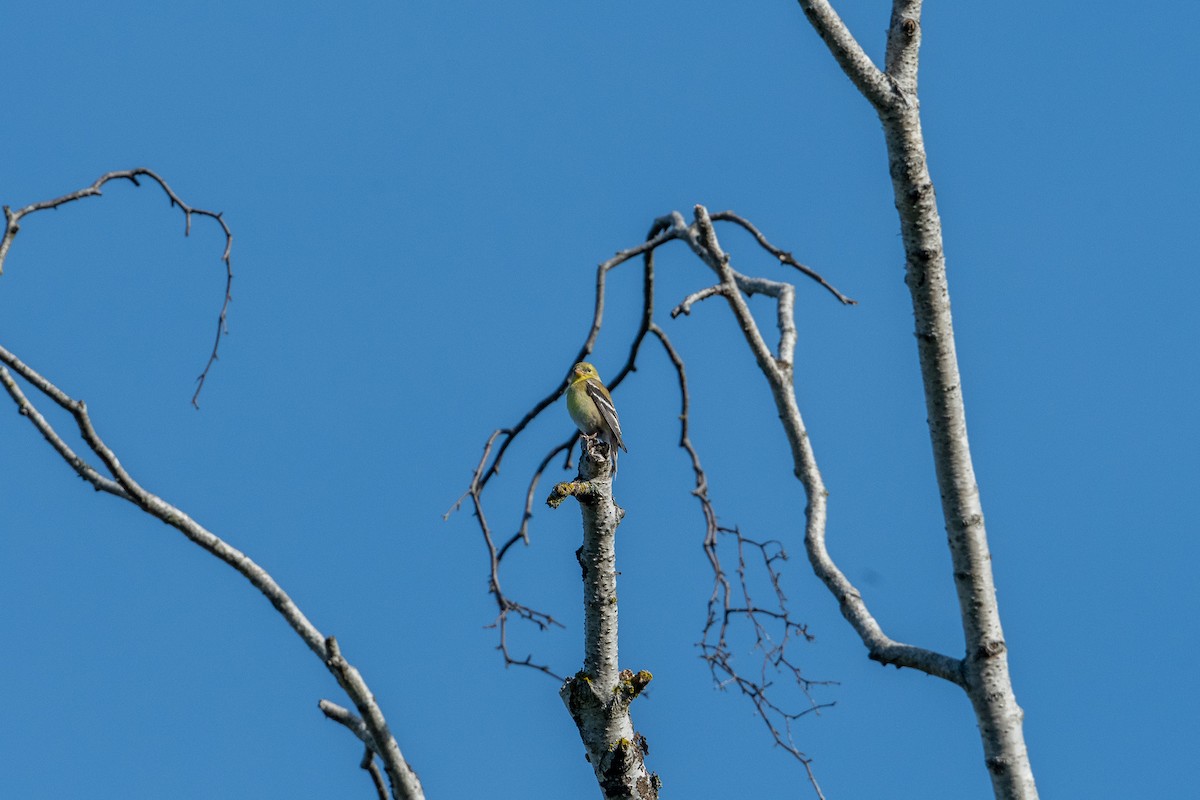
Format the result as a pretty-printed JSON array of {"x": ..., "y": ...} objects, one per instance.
[
  {"x": 783, "y": 256},
  {"x": 356, "y": 726},
  {"x": 846, "y": 50},
  {"x": 122, "y": 484},
  {"x": 983, "y": 673},
  {"x": 714, "y": 647},
  {"x": 598, "y": 696},
  {"x": 661, "y": 232},
  {"x": 12, "y": 227},
  {"x": 779, "y": 373}
]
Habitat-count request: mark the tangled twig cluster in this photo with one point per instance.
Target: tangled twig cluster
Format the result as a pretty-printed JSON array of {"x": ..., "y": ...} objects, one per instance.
[{"x": 773, "y": 625}]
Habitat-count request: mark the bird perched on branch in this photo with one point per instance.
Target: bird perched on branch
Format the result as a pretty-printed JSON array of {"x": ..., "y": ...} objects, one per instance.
[{"x": 592, "y": 409}]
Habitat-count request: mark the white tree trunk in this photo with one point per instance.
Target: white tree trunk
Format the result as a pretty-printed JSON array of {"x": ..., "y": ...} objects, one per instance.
[
  {"x": 984, "y": 671},
  {"x": 598, "y": 696},
  {"x": 985, "y": 664}
]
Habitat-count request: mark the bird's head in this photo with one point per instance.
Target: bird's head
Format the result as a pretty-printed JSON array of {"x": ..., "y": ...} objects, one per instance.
[{"x": 583, "y": 371}]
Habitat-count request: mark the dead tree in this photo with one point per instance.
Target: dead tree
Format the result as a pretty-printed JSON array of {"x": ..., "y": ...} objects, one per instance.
[{"x": 982, "y": 670}]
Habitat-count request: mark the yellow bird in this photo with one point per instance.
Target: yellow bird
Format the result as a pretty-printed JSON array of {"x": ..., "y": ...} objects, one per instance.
[{"x": 592, "y": 409}]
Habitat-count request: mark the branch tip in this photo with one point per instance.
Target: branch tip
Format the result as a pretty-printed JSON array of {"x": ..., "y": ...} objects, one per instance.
[{"x": 96, "y": 190}]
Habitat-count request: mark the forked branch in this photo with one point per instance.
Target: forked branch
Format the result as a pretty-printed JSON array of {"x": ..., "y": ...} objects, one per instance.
[
  {"x": 104, "y": 471},
  {"x": 12, "y": 226},
  {"x": 771, "y": 624},
  {"x": 983, "y": 672},
  {"x": 778, "y": 369},
  {"x": 120, "y": 483}
]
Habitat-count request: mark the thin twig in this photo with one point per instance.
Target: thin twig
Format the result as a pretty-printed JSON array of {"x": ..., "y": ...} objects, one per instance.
[
  {"x": 28, "y": 409},
  {"x": 685, "y": 305},
  {"x": 661, "y": 232},
  {"x": 779, "y": 374},
  {"x": 368, "y": 763},
  {"x": 352, "y": 723},
  {"x": 348, "y": 719},
  {"x": 783, "y": 256},
  {"x": 523, "y": 531},
  {"x": 772, "y": 625},
  {"x": 12, "y": 227},
  {"x": 659, "y": 237},
  {"x": 505, "y": 604}
]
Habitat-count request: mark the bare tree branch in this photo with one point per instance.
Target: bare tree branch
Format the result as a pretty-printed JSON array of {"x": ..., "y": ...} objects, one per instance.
[
  {"x": 846, "y": 50},
  {"x": 523, "y": 531},
  {"x": 122, "y": 484},
  {"x": 779, "y": 374},
  {"x": 685, "y": 305},
  {"x": 505, "y": 604},
  {"x": 489, "y": 463},
  {"x": 356, "y": 726},
  {"x": 348, "y": 719},
  {"x": 714, "y": 644},
  {"x": 28, "y": 409},
  {"x": 368, "y": 763},
  {"x": 983, "y": 673},
  {"x": 783, "y": 256},
  {"x": 405, "y": 784},
  {"x": 598, "y": 697},
  {"x": 685, "y": 441},
  {"x": 762, "y": 619},
  {"x": 13, "y": 226},
  {"x": 903, "y": 52},
  {"x": 659, "y": 235}
]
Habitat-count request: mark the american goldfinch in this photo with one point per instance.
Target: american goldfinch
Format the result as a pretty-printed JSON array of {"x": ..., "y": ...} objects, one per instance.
[{"x": 592, "y": 409}]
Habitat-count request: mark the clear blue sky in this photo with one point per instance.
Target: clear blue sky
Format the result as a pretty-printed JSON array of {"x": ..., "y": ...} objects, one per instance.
[{"x": 419, "y": 194}]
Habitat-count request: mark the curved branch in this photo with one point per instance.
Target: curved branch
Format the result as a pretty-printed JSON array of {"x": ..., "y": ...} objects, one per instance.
[
  {"x": 701, "y": 239},
  {"x": 356, "y": 726},
  {"x": 783, "y": 256},
  {"x": 663, "y": 230},
  {"x": 685, "y": 306},
  {"x": 12, "y": 227},
  {"x": 523, "y": 532},
  {"x": 779, "y": 374},
  {"x": 504, "y": 604},
  {"x": 348, "y": 720},
  {"x": 660, "y": 234},
  {"x": 122, "y": 484},
  {"x": 29, "y": 410},
  {"x": 983, "y": 673},
  {"x": 685, "y": 440}
]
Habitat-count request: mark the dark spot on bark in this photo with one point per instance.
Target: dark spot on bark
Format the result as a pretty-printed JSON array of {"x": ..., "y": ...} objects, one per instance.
[
  {"x": 997, "y": 765},
  {"x": 920, "y": 191},
  {"x": 991, "y": 649}
]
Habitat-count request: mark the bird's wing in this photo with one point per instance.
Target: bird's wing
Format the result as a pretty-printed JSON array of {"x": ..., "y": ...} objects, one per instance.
[{"x": 604, "y": 403}]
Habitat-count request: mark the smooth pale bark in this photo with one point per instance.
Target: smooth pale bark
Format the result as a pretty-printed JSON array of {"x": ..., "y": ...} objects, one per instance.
[
  {"x": 372, "y": 728},
  {"x": 984, "y": 668},
  {"x": 599, "y": 695},
  {"x": 985, "y": 664}
]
